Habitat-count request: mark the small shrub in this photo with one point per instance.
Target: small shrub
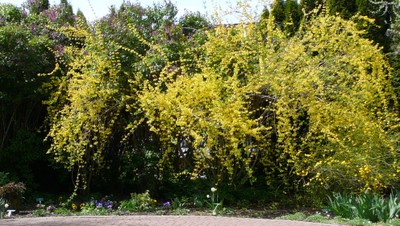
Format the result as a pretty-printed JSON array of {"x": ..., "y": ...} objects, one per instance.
[
  {"x": 179, "y": 206},
  {"x": 138, "y": 202},
  {"x": 273, "y": 206},
  {"x": 13, "y": 192},
  {"x": 39, "y": 212},
  {"x": 63, "y": 211},
  {"x": 180, "y": 203},
  {"x": 199, "y": 201}
]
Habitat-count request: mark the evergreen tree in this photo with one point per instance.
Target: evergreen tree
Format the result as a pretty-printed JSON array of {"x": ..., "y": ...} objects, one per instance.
[
  {"x": 80, "y": 15},
  {"x": 65, "y": 12},
  {"x": 264, "y": 19},
  {"x": 265, "y": 14},
  {"x": 345, "y": 8},
  {"x": 287, "y": 14},
  {"x": 292, "y": 16},
  {"x": 363, "y": 7},
  {"x": 278, "y": 11},
  {"x": 9, "y": 14},
  {"x": 308, "y": 5}
]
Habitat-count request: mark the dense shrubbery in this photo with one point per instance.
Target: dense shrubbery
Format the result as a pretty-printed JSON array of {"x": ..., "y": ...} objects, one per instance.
[
  {"x": 294, "y": 106},
  {"x": 138, "y": 202}
]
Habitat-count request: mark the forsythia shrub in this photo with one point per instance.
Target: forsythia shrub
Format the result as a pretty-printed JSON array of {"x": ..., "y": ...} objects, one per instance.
[
  {"x": 335, "y": 106},
  {"x": 316, "y": 107}
]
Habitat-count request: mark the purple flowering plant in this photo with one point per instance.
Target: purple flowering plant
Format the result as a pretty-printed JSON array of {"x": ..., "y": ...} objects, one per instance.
[
  {"x": 97, "y": 207},
  {"x": 167, "y": 204}
]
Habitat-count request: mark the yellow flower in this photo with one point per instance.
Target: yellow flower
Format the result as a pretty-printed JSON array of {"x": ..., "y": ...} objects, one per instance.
[{"x": 74, "y": 206}]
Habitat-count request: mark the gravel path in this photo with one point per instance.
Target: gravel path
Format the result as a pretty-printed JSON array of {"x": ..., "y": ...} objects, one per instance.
[{"x": 149, "y": 220}]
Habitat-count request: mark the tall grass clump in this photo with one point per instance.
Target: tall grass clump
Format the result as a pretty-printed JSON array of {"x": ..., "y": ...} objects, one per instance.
[{"x": 367, "y": 205}]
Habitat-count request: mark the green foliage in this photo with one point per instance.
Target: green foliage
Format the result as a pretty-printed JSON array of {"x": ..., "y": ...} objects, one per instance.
[
  {"x": 367, "y": 205},
  {"x": 10, "y": 14},
  {"x": 317, "y": 218},
  {"x": 192, "y": 23},
  {"x": 292, "y": 16},
  {"x": 181, "y": 211},
  {"x": 2, "y": 205},
  {"x": 21, "y": 155},
  {"x": 4, "y": 178},
  {"x": 287, "y": 15},
  {"x": 299, "y": 216},
  {"x": 341, "y": 205},
  {"x": 138, "y": 202},
  {"x": 80, "y": 14},
  {"x": 180, "y": 206},
  {"x": 39, "y": 212},
  {"x": 63, "y": 211},
  {"x": 309, "y": 5},
  {"x": 355, "y": 222},
  {"x": 152, "y": 23},
  {"x": 61, "y": 14},
  {"x": 393, "y": 222},
  {"x": 342, "y": 7},
  {"x": 395, "y": 37},
  {"x": 26, "y": 38},
  {"x": 91, "y": 209},
  {"x": 179, "y": 202},
  {"x": 278, "y": 12}
]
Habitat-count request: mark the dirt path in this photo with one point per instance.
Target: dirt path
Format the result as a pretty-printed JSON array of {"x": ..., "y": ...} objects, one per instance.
[{"x": 146, "y": 220}]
